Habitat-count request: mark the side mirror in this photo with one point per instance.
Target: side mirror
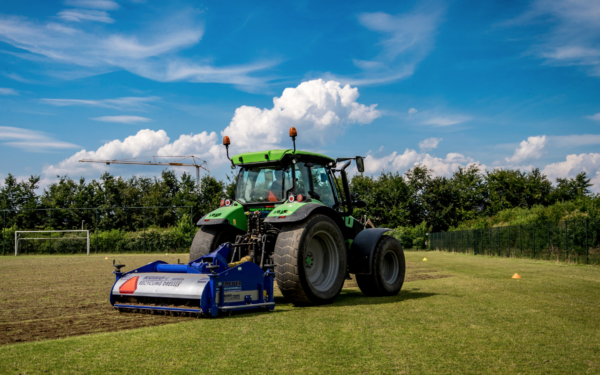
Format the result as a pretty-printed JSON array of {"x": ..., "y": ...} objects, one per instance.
[
  {"x": 359, "y": 204},
  {"x": 360, "y": 164}
]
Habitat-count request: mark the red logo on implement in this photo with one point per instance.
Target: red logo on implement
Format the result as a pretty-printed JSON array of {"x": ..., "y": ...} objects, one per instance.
[{"x": 129, "y": 286}]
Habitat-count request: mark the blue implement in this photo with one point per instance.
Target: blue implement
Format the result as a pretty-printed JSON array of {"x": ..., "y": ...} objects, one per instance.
[{"x": 204, "y": 286}]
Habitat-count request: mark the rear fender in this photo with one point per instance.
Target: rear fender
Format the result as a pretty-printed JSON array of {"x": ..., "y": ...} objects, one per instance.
[{"x": 360, "y": 260}]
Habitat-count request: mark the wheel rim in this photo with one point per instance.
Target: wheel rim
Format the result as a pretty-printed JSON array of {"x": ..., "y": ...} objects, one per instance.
[
  {"x": 321, "y": 261},
  {"x": 390, "y": 267}
]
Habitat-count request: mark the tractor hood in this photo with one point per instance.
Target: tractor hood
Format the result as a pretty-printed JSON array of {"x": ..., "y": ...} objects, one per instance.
[{"x": 233, "y": 214}]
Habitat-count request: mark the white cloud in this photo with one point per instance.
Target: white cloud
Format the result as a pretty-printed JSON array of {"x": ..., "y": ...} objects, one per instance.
[
  {"x": 31, "y": 140},
  {"x": 151, "y": 53},
  {"x": 205, "y": 145},
  {"x": 532, "y": 148},
  {"x": 126, "y": 103},
  {"x": 402, "y": 162},
  {"x": 406, "y": 39},
  {"x": 594, "y": 117},
  {"x": 575, "y": 164},
  {"x": 145, "y": 143},
  {"x": 445, "y": 121},
  {"x": 573, "y": 35},
  {"x": 93, "y": 4},
  {"x": 7, "y": 91},
  {"x": 78, "y": 15},
  {"x": 412, "y": 111},
  {"x": 429, "y": 143},
  {"x": 18, "y": 77},
  {"x": 318, "y": 109},
  {"x": 122, "y": 119}
]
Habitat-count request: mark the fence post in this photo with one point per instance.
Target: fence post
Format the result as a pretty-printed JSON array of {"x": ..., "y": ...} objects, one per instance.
[
  {"x": 49, "y": 250},
  {"x": 587, "y": 249},
  {"x": 498, "y": 239},
  {"x": 144, "y": 210},
  {"x": 548, "y": 226},
  {"x": 533, "y": 241},
  {"x": 520, "y": 240},
  {"x": 509, "y": 241},
  {"x": 566, "y": 241},
  {"x": 96, "y": 249}
]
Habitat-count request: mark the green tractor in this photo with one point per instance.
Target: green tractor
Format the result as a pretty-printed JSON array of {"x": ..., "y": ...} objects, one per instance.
[{"x": 290, "y": 213}]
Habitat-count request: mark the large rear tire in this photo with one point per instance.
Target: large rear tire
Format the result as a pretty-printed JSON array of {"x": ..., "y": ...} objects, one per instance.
[
  {"x": 310, "y": 260},
  {"x": 209, "y": 238},
  {"x": 389, "y": 268}
]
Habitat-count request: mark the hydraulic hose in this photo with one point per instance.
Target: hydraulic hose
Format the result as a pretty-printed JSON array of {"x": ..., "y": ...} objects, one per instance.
[{"x": 245, "y": 259}]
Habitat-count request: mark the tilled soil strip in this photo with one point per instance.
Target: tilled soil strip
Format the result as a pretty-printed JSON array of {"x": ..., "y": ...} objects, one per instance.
[{"x": 49, "y": 298}]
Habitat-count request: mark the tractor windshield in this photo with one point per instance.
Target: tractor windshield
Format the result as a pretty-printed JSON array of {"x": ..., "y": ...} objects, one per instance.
[
  {"x": 263, "y": 184},
  {"x": 270, "y": 183}
]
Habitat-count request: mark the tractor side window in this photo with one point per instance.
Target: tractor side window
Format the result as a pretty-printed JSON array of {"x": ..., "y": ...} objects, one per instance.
[{"x": 322, "y": 185}]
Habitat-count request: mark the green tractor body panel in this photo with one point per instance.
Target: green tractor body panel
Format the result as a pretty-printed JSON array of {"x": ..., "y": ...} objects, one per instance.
[
  {"x": 233, "y": 215},
  {"x": 271, "y": 155}
]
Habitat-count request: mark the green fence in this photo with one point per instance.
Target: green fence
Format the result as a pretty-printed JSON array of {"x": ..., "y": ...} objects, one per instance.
[
  {"x": 111, "y": 230},
  {"x": 570, "y": 240}
]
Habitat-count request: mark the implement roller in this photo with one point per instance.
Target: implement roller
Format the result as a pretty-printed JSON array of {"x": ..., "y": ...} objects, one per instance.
[{"x": 205, "y": 286}]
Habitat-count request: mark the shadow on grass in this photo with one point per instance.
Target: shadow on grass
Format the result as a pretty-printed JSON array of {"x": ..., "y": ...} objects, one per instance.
[
  {"x": 355, "y": 297},
  {"x": 346, "y": 298}
]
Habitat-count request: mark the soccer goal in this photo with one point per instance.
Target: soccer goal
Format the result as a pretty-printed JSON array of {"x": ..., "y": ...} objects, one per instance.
[{"x": 19, "y": 237}]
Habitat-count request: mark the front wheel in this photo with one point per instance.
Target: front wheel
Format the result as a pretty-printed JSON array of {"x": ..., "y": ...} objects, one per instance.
[
  {"x": 310, "y": 260},
  {"x": 387, "y": 273}
]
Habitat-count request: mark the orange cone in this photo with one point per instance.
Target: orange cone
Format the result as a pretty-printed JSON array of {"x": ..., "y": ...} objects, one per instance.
[{"x": 516, "y": 276}]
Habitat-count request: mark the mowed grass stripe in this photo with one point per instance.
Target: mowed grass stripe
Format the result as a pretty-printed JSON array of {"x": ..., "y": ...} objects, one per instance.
[{"x": 477, "y": 321}]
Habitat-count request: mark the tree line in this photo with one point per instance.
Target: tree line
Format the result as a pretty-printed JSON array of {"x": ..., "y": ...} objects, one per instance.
[
  {"x": 415, "y": 198},
  {"x": 418, "y": 196}
]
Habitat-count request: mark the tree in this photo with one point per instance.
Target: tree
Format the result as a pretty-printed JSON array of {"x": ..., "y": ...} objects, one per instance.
[
  {"x": 568, "y": 189},
  {"x": 387, "y": 199}
]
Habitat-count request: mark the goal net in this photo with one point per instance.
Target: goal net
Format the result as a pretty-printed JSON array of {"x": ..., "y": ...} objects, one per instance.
[{"x": 45, "y": 241}]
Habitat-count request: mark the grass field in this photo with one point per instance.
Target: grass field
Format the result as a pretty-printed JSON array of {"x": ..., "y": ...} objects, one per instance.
[{"x": 479, "y": 320}]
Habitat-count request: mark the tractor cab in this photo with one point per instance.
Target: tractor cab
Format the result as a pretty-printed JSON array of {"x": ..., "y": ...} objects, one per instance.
[{"x": 282, "y": 174}]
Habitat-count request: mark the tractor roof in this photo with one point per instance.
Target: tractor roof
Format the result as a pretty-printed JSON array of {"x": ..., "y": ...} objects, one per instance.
[{"x": 273, "y": 155}]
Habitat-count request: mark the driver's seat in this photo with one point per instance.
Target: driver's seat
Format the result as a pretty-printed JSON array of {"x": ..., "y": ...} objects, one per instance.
[{"x": 275, "y": 191}]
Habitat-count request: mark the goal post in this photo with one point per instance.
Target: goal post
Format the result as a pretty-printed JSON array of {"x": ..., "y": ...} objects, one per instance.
[{"x": 18, "y": 238}]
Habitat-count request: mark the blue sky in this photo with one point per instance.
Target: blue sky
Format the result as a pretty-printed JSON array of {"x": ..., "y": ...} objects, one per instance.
[{"x": 507, "y": 84}]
